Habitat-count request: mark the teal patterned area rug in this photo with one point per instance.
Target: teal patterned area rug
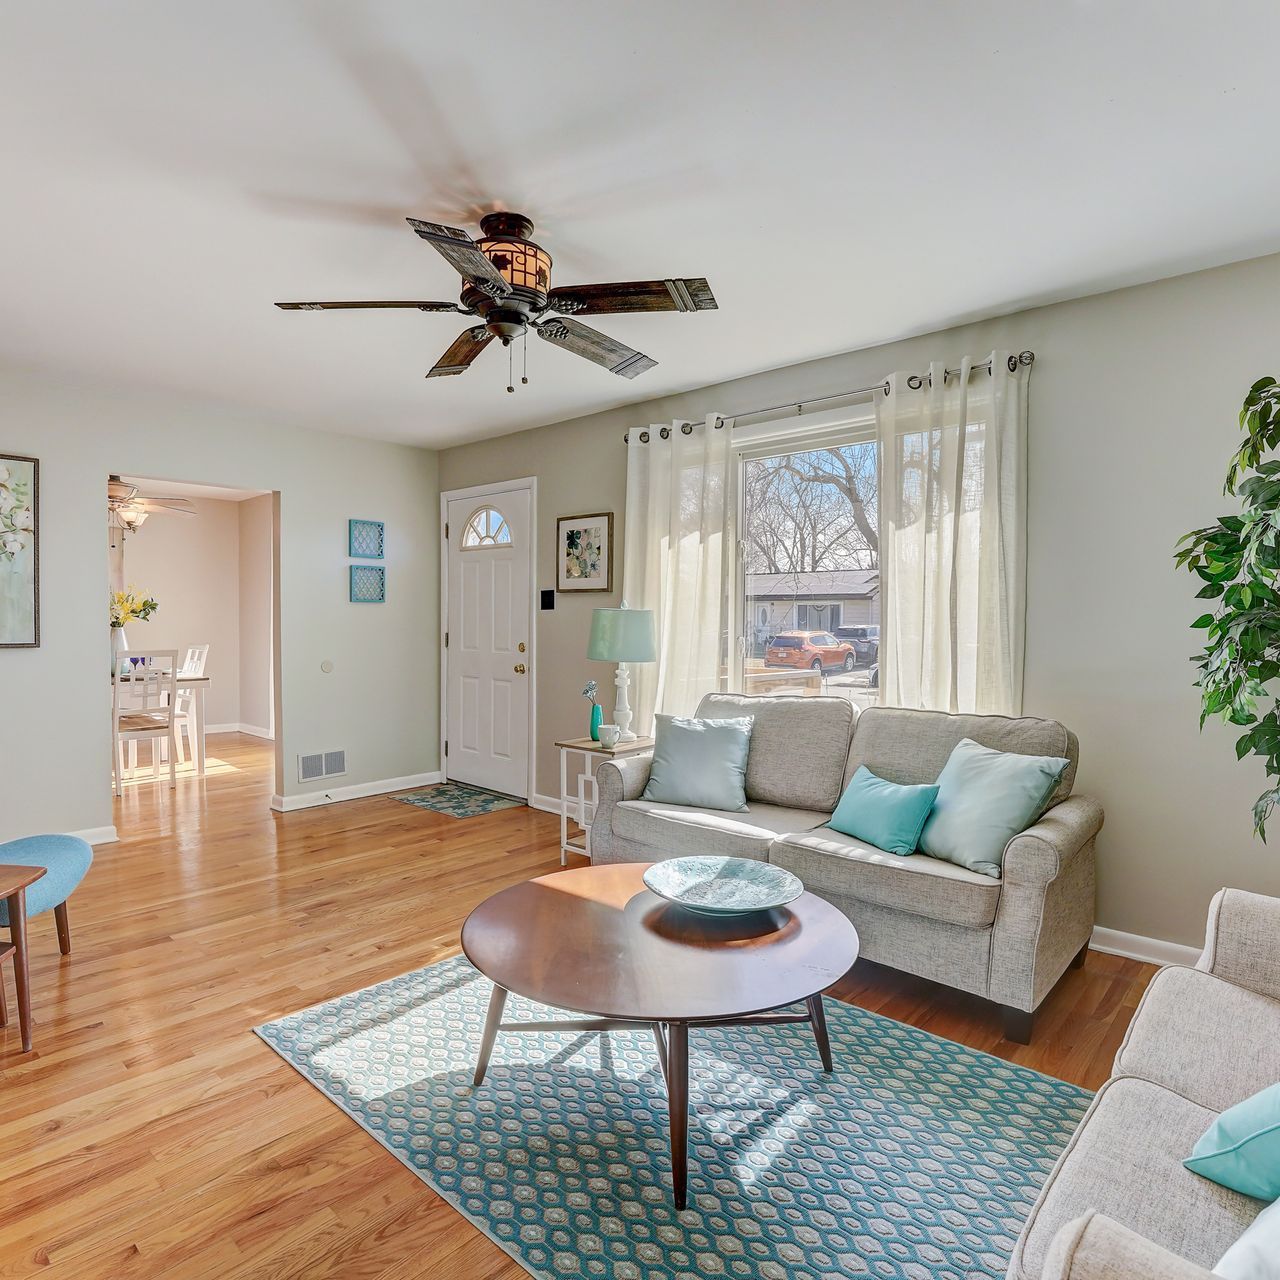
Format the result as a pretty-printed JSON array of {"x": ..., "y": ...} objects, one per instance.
[
  {"x": 458, "y": 800},
  {"x": 918, "y": 1159}
]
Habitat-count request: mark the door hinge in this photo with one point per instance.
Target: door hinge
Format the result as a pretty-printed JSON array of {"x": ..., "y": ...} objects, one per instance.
[
  {"x": 446, "y": 748},
  {"x": 446, "y": 639},
  {"x": 446, "y": 530}
]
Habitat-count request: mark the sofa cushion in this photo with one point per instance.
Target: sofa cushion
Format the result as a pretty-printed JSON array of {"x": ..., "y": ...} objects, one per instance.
[
  {"x": 829, "y": 862},
  {"x": 1188, "y": 1032},
  {"x": 1125, "y": 1160},
  {"x": 673, "y": 830},
  {"x": 913, "y": 746},
  {"x": 798, "y": 746}
]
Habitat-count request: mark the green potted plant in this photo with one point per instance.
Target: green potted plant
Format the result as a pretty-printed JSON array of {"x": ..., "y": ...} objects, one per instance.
[{"x": 1237, "y": 559}]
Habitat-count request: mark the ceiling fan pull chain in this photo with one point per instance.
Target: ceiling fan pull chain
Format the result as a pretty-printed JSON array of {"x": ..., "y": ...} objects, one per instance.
[
  {"x": 524, "y": 358},
  {"x": 510, "y": 375}
]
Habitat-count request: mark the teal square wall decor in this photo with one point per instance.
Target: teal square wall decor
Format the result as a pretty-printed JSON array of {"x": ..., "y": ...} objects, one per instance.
[
  {"x": 368, "y": 584},
  {"x": 365, "y": 539}
]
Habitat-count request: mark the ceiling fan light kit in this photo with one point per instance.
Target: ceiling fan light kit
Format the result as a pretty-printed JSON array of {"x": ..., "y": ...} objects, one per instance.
[{"x": 507, "y": 285}]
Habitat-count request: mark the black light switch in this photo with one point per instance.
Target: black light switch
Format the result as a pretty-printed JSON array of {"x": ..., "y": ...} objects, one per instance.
[{"x": 548, "y": 599}]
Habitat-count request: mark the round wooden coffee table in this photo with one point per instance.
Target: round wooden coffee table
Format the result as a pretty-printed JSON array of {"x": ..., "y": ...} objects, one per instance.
[{"x": 596, "y": 941}]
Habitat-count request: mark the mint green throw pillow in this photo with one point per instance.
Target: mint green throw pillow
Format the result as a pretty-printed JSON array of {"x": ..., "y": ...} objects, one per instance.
[
  {"x": 700, "y": 763},
  {"x": 882, "y": 813},
  {"x": 1241, "y": 1148},
  {"x": 985, "y": 798}
]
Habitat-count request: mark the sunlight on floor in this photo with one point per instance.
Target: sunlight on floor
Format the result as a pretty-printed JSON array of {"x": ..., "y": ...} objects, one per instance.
[{"x": 143, "y": 776}]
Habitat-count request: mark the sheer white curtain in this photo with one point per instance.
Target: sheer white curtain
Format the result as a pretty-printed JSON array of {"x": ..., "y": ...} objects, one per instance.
[
  {"x": 953, "y": 519},
  {"x": 676, "y": 562}
]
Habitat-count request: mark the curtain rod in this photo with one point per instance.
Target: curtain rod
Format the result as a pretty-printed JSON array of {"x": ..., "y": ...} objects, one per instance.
[{"x": 915, "y": 381}]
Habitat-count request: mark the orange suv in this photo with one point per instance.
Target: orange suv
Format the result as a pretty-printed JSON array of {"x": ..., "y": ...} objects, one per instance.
[{"x": 817, "y": 650}]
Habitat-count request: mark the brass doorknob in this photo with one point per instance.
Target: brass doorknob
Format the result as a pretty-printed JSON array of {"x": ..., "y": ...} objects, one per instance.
[{"x": 519, "y": 668}]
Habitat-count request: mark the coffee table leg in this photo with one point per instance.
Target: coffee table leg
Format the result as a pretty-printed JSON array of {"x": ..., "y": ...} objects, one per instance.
[
  {"x": 497, "y": 1002},
  {"x": 678, "y": 1105},
  {"x": 660, "y": 1042},
  {"x": 818, "y": 1017}
]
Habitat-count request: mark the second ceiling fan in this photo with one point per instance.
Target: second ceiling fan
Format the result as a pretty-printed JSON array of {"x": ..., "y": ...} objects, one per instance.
[{"x": 506, "y": 284}]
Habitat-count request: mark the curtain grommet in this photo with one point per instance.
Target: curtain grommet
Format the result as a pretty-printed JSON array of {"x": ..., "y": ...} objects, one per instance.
[
  {"x": 644, "y": 437},
  {"x": 686, "y": 428},
  {"x": 665, "y": 433},
  {"x": 915, "y": 381}
]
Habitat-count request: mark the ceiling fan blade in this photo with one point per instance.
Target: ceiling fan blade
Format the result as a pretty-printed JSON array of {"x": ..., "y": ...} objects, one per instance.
[
  {"x": 468, "y": 344},
  {"x": 633, "y": 295},
  {"x": 159, "y": 509},
  {"x": 365, "y": 306},
  {"x": 460, "y": 251},
  {"x": 154, "y": 500},
  {"x": 595, "y": 346}
]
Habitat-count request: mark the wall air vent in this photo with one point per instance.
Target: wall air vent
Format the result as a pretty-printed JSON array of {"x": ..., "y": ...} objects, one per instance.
[{"x": 321, "y": 764}]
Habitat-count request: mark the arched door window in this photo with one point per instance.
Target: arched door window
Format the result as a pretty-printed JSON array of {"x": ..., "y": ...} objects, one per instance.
[{"x": 487, "y": 528}]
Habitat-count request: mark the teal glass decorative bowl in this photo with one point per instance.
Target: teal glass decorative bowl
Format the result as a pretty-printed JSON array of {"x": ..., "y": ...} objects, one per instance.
[{"x": 723, "y": 886}]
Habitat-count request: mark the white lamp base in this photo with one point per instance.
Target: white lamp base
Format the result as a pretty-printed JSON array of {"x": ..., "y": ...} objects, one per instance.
[{"x": 622, "y": 704}]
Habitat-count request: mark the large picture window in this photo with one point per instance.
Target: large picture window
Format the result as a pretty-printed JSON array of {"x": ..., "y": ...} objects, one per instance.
[{"x": 809, "y": 592}]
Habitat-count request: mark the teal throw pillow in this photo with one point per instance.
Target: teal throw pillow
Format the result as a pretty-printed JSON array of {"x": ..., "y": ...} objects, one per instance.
[
  {"x": 1241, "y": 1148},
  {"x": 700, "y": 763},
  {"x": 883, "y": 813},
  {"x": 985, "y": 798}
]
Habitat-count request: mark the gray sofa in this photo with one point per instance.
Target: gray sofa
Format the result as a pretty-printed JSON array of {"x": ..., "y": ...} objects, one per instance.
[
  {"x": 1119, "y": 1205},
  {"x": 1008, "y": 939}
]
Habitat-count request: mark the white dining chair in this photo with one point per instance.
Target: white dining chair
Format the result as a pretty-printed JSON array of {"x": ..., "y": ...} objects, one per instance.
[
  {"x": 143, "y": 706},
  {"x": 185, "y": 719}
]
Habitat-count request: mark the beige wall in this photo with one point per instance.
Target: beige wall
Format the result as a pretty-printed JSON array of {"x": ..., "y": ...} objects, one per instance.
[
  {"x": 1133, "y": 409},
  {"x": 191, "y": 566},
  {"x": 379, "y": 702},
  {"x": 256, "y": 517}
]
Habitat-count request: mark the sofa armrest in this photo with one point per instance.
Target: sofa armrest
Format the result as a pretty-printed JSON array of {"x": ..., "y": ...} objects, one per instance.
[
  {"x": 1242, "y": 941},
  {"x": 624, "y": 778},
  {"x": 1038, "y": 854},
  {"x": 1096, "y": 1247}
]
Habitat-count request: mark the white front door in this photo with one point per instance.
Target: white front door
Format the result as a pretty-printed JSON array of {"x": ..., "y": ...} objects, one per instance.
[{"x": 488, "y": 654}]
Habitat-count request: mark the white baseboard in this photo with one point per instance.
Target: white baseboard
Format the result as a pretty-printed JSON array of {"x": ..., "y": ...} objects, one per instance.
[
  {"x": 1135, "y": 947},
  {"x": 336, "y": 795},
  {"x": 549, "y": 804},
  {"x": 97, "y": 835},
  {"x": 250, "y": 729}
]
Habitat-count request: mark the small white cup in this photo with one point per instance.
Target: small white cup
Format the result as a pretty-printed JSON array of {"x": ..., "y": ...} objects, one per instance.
[{"x": 609, "y": 735}]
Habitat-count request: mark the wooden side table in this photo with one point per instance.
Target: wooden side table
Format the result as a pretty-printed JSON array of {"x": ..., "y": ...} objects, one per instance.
[
  {"x": 14, "y": 881},
  {"x": 586, "y": 748}
]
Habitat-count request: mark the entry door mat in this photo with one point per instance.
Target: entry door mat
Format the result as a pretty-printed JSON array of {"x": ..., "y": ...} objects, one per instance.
[
  {"x": 918, "y": 1159},
  {"x": 458, "y": 800}
]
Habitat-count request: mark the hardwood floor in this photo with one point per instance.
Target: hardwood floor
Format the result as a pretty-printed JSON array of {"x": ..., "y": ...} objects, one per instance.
[{"x": 150, "y": 1133}]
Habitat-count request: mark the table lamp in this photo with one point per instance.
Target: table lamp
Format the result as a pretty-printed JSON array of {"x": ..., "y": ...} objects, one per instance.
[{"x": 622, "y": 636}]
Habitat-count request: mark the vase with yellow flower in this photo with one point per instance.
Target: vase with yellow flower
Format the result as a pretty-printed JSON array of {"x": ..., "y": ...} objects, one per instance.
[{"x": 127, "y": 606}]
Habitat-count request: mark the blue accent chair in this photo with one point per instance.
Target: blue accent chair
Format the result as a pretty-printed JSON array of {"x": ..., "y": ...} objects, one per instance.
[{"x": 65, "y": 860}]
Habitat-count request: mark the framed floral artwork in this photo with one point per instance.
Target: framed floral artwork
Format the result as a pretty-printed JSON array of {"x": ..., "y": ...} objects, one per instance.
[
  {"x": 19, "y": 552},
  {"x": 584, "y": 552}
]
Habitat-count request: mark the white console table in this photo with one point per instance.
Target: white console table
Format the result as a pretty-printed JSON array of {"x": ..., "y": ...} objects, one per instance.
[{"x": 586, "y": 783}]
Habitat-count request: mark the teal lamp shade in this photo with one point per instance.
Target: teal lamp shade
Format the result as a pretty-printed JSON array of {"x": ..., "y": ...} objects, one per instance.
[{"x": 622, "y": 635}]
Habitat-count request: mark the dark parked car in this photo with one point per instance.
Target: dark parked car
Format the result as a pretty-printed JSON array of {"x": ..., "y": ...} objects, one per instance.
[{"x": 865, "y": 641}]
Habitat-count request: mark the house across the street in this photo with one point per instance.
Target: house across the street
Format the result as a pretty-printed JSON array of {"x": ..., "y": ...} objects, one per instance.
[{"x": 818, "y": 600}]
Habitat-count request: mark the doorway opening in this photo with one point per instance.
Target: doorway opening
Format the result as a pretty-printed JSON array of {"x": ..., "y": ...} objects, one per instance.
[{"x": 192, "y": 571}]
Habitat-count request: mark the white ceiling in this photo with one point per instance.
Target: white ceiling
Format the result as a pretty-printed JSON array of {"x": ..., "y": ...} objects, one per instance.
[{"x": 843, "y": 173}]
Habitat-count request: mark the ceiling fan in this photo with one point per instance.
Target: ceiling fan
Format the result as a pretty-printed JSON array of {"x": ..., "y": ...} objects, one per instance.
[
  {"x": 506, "y": 278},
  {"x": 127, "y": 508}
]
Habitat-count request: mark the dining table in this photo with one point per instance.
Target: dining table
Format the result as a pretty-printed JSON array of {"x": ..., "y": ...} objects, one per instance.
[{"x": 199, "y": 686}]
